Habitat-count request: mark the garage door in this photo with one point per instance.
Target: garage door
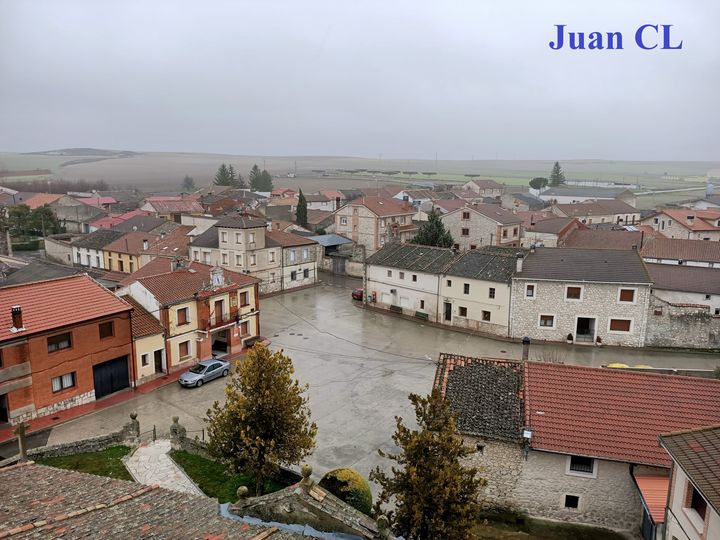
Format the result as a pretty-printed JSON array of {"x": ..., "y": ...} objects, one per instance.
[{"x": 111, "y": 376}]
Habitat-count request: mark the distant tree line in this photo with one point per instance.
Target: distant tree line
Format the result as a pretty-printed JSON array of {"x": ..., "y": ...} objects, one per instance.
[
  {"x": 260, "y": 180},
  {"x": 55, "y": 185},
  {"x": 557, "y": 178}
]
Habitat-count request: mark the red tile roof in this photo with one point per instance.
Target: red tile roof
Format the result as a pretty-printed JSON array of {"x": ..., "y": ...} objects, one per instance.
[
  {"x": 600, "y": 207},
  {"x": 184, "y": 284},
  {"x": 108, "y": 222},
  {"x": 604, "y": 239},
  {"x": 284, "y": 239},
  {"x": 703, "y": 220},
  {"x": 132, "y": 243},
  {"x": 40, "y": 199},
  {"x": 143, "y": 323},
  {"x": 382, "y": 206},
  {"x": 654, "y": 492},
  {"x": 681, "y": 249},
  {"x": 97, "y": 201},
  {"x": 613, "y": 414},
  {"x": 160, "y": 265},
  {"x": 56, "y": 303},
  {"x": 184, "y": 206},
  {"x": 450, "y": 204}
]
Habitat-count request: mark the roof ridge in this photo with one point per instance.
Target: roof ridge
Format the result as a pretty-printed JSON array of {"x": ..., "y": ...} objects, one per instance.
[
  {"x": 30, "y": 284},
  {"x": 626, "y": 371},
  {"x": 688, "y": 431}
]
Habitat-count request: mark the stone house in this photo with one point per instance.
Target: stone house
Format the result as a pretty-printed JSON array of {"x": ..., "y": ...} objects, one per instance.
[
  {"x": 475, "y": 290},
  {"x": 481, "y": 225},
  {"x": 686, "y": 223},
  {"x": 571, "y": 443},
  {"x": 681, "y": 252},
  {"x": 587, "y": 294},
  {"x": 318, "y": 201},
  {"x": 598, "y": 212},
  {"x": 374, "y": 222},
  {"x": 404, "y": 278},
  {"x": 172, "y": 208},
  {"x": 63, "y": 342},
  {"x": 549, "y": 232},
  {"x": 522, "y": 202},
  {"x": 416, "y": 197},
  {"x": 693, "y": 506},
  {"x": 88, "y": 250},
  {"x": 204, "y": 310},
  {"x": 484, "y": 188}
]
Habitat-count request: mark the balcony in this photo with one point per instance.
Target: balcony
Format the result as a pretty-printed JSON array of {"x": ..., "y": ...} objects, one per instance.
[{"x": 219, "y": 319}]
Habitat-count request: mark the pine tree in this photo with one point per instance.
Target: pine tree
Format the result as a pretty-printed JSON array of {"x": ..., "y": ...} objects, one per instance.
[
  {"x": 255, "y": 178},
  {"x": 231, "y": 172},
  {"x": 266, "y": 181},
  {"x": 433, "y": 233},
  {"x": 223, "y": 176},
  {"x": 301, "y": 214},
  {"x": 434, "y": 495},
  {"x": 265, "y": 420},
  {"x": 260, "y": 180},
  {"x": 188, "y": 184},
  {"x": 557, "y": 176}
]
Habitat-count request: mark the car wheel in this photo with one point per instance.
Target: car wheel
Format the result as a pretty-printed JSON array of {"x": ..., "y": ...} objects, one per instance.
[
  {"x": 199, "y": 383},
  {"x": 225, "y": 372}
]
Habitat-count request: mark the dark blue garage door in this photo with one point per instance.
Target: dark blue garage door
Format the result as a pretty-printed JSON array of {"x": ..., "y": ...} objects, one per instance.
[{"x": 111, "y": 376}]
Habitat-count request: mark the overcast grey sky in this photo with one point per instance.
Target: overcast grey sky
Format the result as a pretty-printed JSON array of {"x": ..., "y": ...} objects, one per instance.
[{"x": 397, "y": 78}]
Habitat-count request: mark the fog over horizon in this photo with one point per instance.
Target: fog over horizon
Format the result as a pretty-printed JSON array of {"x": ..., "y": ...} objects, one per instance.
[{"x": 397, "y": 79}]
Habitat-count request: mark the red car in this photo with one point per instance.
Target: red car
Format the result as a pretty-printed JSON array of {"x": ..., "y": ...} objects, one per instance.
[{"x": 358, "y": 294}]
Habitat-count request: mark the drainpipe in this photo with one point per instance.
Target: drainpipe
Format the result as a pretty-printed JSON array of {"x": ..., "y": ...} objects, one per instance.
[{"x": 437, "y": 303}]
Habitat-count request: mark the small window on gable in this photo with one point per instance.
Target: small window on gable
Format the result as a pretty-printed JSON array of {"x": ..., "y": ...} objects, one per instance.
[
  {"x": 389, "y": 272},
  {"x": 530, "y": 290},
  {"x": 402, "y": 275},
  {"x": 449, "y": 283},
  {"x": 572, "y": 501},
  {"x": 491, "y": 292},
  {"x": 573, "y": 293},
  {"x": 466, "y": 215},
  {"x": 465, "y": 232},
  {"x": 695, "y": 501},
  {"x": 183, "y": 316}
]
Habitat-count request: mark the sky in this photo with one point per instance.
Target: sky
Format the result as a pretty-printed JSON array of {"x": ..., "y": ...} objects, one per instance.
[{"x": 393, "y": 78}]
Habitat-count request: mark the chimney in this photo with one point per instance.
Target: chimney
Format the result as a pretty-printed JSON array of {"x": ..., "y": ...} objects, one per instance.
[
  {"x": 269, "y": 225},
  {"x": 146, "y": 245},
  {"x": 519, "y": 263},
  {"x": 17, "y": 322},
  {"x": 525, "y": 348},
  {"x": 162, "y": 236}
]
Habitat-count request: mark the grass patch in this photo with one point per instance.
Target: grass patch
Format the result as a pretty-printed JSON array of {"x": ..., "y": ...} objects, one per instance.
[
  {"x": 507, "y": 525},
  {"x": 103, "y": 463},
  {"x": 214, "y": 480}
]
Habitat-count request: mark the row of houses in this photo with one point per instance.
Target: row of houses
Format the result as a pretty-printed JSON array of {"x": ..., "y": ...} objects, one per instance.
[
  {"x": 582, "y": 296},
  {"x": 69, "y": 341}
]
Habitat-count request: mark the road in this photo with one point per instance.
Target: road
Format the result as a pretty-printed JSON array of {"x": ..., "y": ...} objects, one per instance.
[{"x": 360, "y": 365}]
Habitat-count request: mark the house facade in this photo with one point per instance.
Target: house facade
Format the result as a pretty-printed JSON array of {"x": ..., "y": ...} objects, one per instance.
[
  {"x": 581, "y": 294},
  {"x": 676, "y": 251},
  {"x": 482, "y": 225},
  {"x": 484, "y": 188},
  {"x": 148, "y": 337},
  {"x": 63, "y": 342},
  {"x": 525, "y": 423},
  {"x": 88, "y": 250},
  {"x": 686, "y": 224},
  {"x": 204, "y": 310},
  {"x": 374, "y": 222},
  {"x": 594, "y": 212}
]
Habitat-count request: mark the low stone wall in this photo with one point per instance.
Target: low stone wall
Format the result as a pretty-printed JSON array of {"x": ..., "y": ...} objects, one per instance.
[
  {"x": 681, "y": 326},
  {"x": 355, "y": 269},
  {"x": 192, "y": 446},
  {"x": 94, "y": 444}
]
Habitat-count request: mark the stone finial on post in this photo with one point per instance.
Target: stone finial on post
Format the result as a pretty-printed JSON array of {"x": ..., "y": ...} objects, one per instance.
[
  {"x": 131, "y": 430},
  {"x": 20, "y": 431},
  {"x": 306, "y": 483},
  {"x": 177, "y": 431},
  {"x": 525, "y": 348},
  {"x": 384, "y": 532},
  {"x": 242, "y": 493}
]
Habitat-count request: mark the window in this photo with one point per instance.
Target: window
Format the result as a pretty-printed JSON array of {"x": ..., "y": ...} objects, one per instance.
[
  {"x": 183, "y": 316},
  {"x": 504, "y": 233},
  {"x": 343, "y": 221},
  {"x": 466, "y": 288},
  {"x": 414, "y": 277},
  {"x": 107, "y": 329},
  {"x": 238, "y": 259},
  {"x": 473, "y": 246},
  {"x": 717, "y": 311},
  {"x": 293, "y": 275},
  {"x": 144, "y": 359},
  {"x": 252, "y": 237},
  {"x": 272, "y": 277},
  {"x": 466, "y": 215},
  {"x": 244, "y": 328},
  {"x": 59, "y": 342},
  {"x": 224, "y": 258},
  {"x": 206, "y": 257},
  {"x": 581, "y": 464},
  {"x": 223, "y": 236},
  {"x": 184, "y": 349},
  {"x": 292, "y": 255},
  {"x": 271, "y": 256},
  {"x": 63, "y": 382},
  {"x": 515, "y": 231},
  {"x": 244, "y": 299},
  {"x": 449, "y": 283},
  {"x": 572, "y": 501},
  {"x": 486, "y": 316},
  {"x": 121, "y": 265},
  {"x": 620, "y": 325},
  {"x": 79, "y": 260},
  {"x": 707, "y": 297},
  {"x": 402, "y": 275},
  {"x": 253, "y": 259},
  {"x": 465, "y": 232},
  {"x": 422, "y": 304},
  {"x": 238, "y": 238},
  {"x": 87, "y": 258},
  {"x": 530, "y": 290},
  {"x": 306, "y": 273},
  {"x": 382, "y": 223},
  {"x": 547, "y": 321},
  {"x": 462, "y": 311},
  {"x": 306, "y": 253},
  {"x": 695, "y": 501},
  {"x": 627, "y": 295},
  {"x": 389, "y": 273},
  {"x": 355, "y": 211},
  {"x": 573, "y": 293},
  {"x": 491, "y": 292}
]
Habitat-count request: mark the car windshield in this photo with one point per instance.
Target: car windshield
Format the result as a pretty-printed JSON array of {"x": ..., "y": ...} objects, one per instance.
[{"x": 198, "y": 369}]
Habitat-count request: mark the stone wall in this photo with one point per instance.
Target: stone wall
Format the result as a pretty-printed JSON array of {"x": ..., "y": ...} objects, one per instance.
[
  {"x": 58, "y": 249},
  {"x": 501, "y": 464},
  {"x": 677, "y": 325},
  {"x": 74, "y": 401},
  {"x": 94, "y": 444}
]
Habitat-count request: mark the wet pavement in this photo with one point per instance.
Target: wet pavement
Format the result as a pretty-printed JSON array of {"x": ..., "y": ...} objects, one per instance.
[{"x": 360, "y": 366}]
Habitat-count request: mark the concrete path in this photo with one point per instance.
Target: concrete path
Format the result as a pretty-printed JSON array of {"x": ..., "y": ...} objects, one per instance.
[{"x": 150, "y": 464}]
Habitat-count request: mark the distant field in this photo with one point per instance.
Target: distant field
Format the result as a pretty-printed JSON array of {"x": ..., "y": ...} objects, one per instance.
[{"x": 160, "y": 171}]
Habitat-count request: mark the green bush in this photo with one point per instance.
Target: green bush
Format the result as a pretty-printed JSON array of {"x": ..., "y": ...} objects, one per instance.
[{"x": 349, "y": 486}]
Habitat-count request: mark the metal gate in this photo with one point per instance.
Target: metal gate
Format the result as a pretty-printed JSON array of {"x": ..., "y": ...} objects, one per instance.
[
  {"x": 111, "y": 376},
  {"x": 338, "y": 265}
]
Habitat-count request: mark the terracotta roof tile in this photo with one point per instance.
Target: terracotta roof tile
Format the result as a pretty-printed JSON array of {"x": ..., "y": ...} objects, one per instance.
[
  {"x": 284, "y": 239},
  {"x": 654, "y": 491},
  {"x": 681, "y": 249},
  {"x": 604, "y": 239},
  {"x": 183, "y": 206},
  {"x": 56, "y": 303},
  {"x": 382, "y": 206},
  {"x": 41, "y": 199},
  {"x": 597, "y": 208},
  {"x": 132, "y": 243},
  {"x": 703, "y": 220},
  {"x": 143, "y": 323},
  {"x": 684, "y": 278}
]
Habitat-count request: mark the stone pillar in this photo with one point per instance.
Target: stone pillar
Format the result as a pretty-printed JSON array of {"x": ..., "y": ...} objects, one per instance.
[
  {"x": 306, "y": 483},
  {"x": 131, "y": 430},
  {"x": 20, "y": 431},
  {"x": 384, "y": 531},
  {"x": 525, "y": 348},
  {"x": 177, "y": 432}
]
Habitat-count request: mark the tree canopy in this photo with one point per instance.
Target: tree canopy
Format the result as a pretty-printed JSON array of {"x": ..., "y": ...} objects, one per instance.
[
  {"x": 265, "y": 420},
  {"x": 435, "y": 496},
  {"x": 224, "y": 176},
  {"x": 538, "y": 183},
  {"x": 433, "y": 233},
  {"x": 260, "y": 180},
  {"x": 188, "y": 184},
  {"x": 301, "y": 213},
  {"x": 557, "y": 176}
]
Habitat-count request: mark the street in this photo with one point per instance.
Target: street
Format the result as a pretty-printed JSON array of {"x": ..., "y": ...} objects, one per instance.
[{"x": 360, "y": 365}]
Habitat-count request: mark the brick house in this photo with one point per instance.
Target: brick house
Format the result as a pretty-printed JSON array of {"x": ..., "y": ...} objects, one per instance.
[
  {"x": 572, "y": 443},
  {"x": 480, "y": 225},
  {"x": 586, "y": 293},
  {"x": 686, "y": 223},
  {"x": 693, "y": 507},
  {"x": 204, "y": 310},
  {"x": 375, "y": 221},
  {"x": 63, "y": 342}
]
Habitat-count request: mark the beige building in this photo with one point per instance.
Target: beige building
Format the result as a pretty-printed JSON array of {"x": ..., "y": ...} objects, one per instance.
[
  {"x": 148, "y": 343},
  {"x": 484, "y": 188},
  {"x": 374, "y": 222},
  {"x": 480, "y": 225}
]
